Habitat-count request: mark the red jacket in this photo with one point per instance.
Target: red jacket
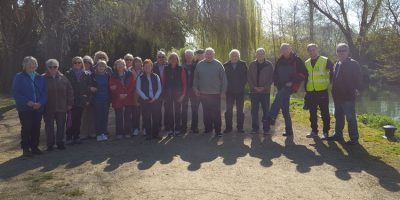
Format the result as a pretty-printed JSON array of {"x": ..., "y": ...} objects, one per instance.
[{"x": 123, "y": 87}]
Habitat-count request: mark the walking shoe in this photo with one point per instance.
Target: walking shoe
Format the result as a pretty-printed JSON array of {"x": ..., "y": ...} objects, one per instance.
[
  {"x": 324, "y": 136},
  {"x": 170, "y": 133},
  {"x": 157, "y": 137},
  {"x": 36, "y": 151},
  {"x": 218, "y": 135},
  {"x": 50, "y": 148},
  {"x": 26, "y": 153},
  {"x": 60, "y": 147},
  {"x": 352, "y": 142},
  {"x": 287, "y": 134},
  {"x": 335, "y": 138},
  {"x": 69, "y": 142},
  {"x": 77, "y": 141},
  {"x": 240, "y": 130},
  {"x": 312, "y": 134},
  {"x": 227, "y": 130},
  {"x": 135, "y": 132},
  {"x": 99, "y": 138},
  {"x": 105, "y": 137},
  {"x": 177, "y": 133}
]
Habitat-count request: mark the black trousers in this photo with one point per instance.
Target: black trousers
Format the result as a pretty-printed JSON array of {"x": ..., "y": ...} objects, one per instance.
[
  {"x": 136, "y": 112},
  {"x": 55, "y": 137},
  {"x": 151, "y": 118},
  {"x": 231, "y": 99},
  {"x": 194, "y": 105},
  {"x": 123, "y": 120},
  {"x": 211, "y": 112},
  {"x": 74, "y": 131},
  {"x": 30, "y": 129},
  {"x": 315, "y": 100},
  {"x": 173, "y": 111}
]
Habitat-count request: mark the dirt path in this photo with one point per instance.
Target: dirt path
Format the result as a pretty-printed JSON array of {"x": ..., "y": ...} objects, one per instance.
[{"x": 196, "y": 166}]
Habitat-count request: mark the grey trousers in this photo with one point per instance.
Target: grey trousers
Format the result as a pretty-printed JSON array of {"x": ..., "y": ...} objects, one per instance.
[{"x": 58, "y": 136}]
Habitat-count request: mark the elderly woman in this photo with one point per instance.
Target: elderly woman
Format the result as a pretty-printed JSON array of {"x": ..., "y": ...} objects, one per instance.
[
  {"x": 101, "y": 55},
  {"x": 136, "y": 111},
  {"x": 60, "y": 100},
  {"x": 88, "y": 115},
  {"x": 82, "y": 85},
  {"x": 148, "y": 87},
  {"x": 30, "y": 93},
  {"x": 122, "y": 84}
]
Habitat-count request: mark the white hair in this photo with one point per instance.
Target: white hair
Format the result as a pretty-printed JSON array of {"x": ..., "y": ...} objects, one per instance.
[
  {"x": 52, "y": 62},
  {"x": 234, "y": 51},
  {"x": 285, "y": 45},
  {"x": 128, "y": 56},
  {"x": 260, "y": 50},
  {"x": 189, "y": 51},
  {"x": 160, "y": 52},
  {"x": 29, "y": 60},
  {"x": 88, "y": 59},
  {"x": 342, "y": 45},
  {"x": 209, "y": 49}
]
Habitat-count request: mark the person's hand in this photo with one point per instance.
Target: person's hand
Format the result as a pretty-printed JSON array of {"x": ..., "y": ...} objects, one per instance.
[
  {"x": 113, "y": 87},
  {"x": 289, "y": 84},
  {"x": 152, "y": 100},
  {"x": 93, "y": 89},
  {"x": 37, "y": 106},
  {"x": 357, "y": 92},
  {"x": 30, "y": 104},
  {"x": 181, "y": 98}
]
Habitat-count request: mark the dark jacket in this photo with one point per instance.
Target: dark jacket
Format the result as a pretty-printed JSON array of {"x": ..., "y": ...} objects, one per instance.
[
  {"x": 190, "y": 75},
  {"x": 174, "y": 82},
  {"x": 264, "y": 76},
  {"x": 143, "y": 82},
  {"x": 60, "y": 93},
  {"x": 237, "y": 78},
  {"x": 25, "y": 89},
  {"x": 96, "y": 85},
  {"x": 346, "y": 80},
  {"x": 81, "y": 87},
  {"x": 289, "y": 70}
]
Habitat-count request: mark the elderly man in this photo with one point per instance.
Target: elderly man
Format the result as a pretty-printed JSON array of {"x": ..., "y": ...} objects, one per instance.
[
  {"x": 190, "y": 67},
  {"x": 318, "y": 77},
  {"x": 347, "y": 80},
  {"x": 260, "y": 78},
  {"x": 210, "y": 84},
  {"x": 236, "y": 74},
  {"x": 288, "y": 74}
]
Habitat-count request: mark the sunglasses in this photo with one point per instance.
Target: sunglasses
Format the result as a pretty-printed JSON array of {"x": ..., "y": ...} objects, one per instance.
[
  {"x": 52, "y": 67},
  {"x": 77, "y": 62}
]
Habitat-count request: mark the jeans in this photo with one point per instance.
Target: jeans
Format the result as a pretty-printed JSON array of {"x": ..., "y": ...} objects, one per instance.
[
  {"x": 282, "y": 101},
  {"x": 318, "y": 99},
  {"x": 194, "y": 105},
  {"x": 30, "y": 129},
  {"x": 101, "y": 118},
  {"x": 230, "y": 100},
  {"x": 60, "y": 118},
  {"x": 211, "y": 112},
  {"x": 347, "y": 109},
  {"x": 257, "y": 99}
]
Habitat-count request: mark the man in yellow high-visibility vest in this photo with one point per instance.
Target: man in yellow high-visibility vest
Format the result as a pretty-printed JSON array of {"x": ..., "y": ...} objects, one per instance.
[{"x": 317, "y": 82}]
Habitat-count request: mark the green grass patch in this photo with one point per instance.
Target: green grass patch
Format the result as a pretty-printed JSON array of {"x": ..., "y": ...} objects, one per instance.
[
  {"x": 74, "y": 193},
  {"x": 6, "y": 102}
]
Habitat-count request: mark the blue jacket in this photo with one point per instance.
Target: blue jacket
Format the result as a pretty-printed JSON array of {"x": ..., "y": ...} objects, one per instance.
[{"x": 25, "y": 89}]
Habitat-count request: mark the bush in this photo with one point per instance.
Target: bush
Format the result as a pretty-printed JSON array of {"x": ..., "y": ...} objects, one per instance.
[{"x": 376, "y": 121}]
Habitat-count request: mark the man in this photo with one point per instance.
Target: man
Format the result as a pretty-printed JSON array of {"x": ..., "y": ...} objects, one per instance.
[
  {"x": 260, "y": 78},
  {"x": 190, "y": 67},
  {"x": 236, "y": 74},
  {"x": 288, "y": 74},
  {"x": 210, "y": 84},
  {"x": 158, "y": 68},
  {"x": 319, "y": 70},
  {"x": 346, "y": 84}
]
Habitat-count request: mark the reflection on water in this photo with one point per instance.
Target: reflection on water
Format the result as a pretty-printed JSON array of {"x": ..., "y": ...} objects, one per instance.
[{"x": 384, "y": 101}]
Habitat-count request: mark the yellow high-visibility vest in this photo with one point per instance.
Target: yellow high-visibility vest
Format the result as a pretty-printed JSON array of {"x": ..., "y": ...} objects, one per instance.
[{"x": 318, "y": 76}]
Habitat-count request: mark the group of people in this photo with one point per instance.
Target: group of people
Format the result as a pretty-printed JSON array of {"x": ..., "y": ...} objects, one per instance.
[{"x": 160, "y": 93}]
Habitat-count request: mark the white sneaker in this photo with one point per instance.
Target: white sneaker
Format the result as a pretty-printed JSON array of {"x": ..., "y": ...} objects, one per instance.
[
  {"x": 104, "y": 137},
  {"x": 100, "y": 138},
  {"x": 136, "y": 132},
  {"x": 325, "y": 136},
  {"x": 312, "y": 134}
]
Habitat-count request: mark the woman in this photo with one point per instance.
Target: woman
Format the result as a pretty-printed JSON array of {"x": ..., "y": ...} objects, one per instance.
[
  {"x": 101, "y": 99},
  {"x": 122, "y": 84},
  {"x": 82, "y": 85},
  {"x": 137, "y": 69},
  {"x": 174, "y": 91},
  {"x": 60, "y": 100},
  {"x": 148, "y": 87},
  {"x": 30, "y": 93},
  {"x": 88, "y": 115},
  {"x": 101, "y": 55}
]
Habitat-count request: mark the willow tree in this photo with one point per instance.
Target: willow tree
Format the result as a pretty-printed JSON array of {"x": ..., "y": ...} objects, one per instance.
[{"x": 229, "y": 24}]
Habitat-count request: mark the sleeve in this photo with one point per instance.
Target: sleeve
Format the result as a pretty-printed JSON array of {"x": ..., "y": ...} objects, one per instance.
[
  {"x": 330, "y": 66},
  {"x": 270, "y": 77},
  {"x": 131, "y": 85},
  {"x": 244, "y": 79},
  {"x": 20, "y": 99},
  {"x": 139, "y": 90},
  {"x": 275, "y": 77},
  {"x": 224, "y": 81},
  {"x": 301, "y": 71},
  {"x": 70, "y": 93},
  {"x": 43, "y": 92},
  {"x": 249, "y": 77},
  {"x": 357, "y": 74},
  {"x": 184, "y": 81},
  {"x": 196, "y": 79},
  {"x": 158, "y": 93}
]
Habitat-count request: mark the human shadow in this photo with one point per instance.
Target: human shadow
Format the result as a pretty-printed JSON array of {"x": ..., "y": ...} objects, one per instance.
[
  {"x": 357, "y": 160},
  {"x": 265, "y": 149}
]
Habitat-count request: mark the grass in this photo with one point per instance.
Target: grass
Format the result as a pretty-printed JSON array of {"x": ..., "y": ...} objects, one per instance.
[
  {"x": 370, "y": 129},
  {"x": 74, "y": 193},
  {"x": 6, "y": 102}
]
